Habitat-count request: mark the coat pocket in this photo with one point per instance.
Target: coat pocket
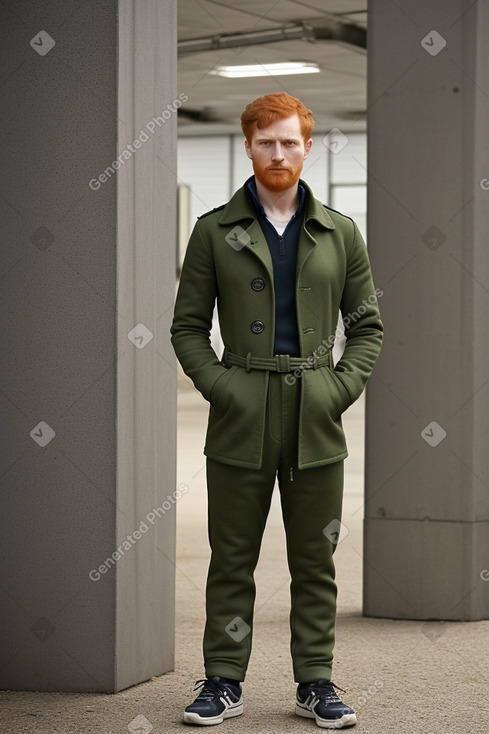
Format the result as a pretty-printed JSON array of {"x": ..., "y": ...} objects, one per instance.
[
  {"x": 344, "y": 395},
  {"x": 331, "y": 395},
  {"x": 322, "y": 438},
  {"x": 237, "y": 417},
  {"x": 221, "y": 392}
]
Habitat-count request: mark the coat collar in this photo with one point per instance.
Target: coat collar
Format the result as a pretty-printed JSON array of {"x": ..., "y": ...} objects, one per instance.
[{"x": 239, "y": 207}]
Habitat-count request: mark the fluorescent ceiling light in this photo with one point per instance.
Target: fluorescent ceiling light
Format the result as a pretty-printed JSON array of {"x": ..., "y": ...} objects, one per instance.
[{"x": 250, "y": 70}]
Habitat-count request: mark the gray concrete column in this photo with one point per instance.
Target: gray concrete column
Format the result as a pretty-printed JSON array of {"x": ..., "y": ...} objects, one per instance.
[
  {"x": 88, "y": 402},
  {"x": 427, "y": 461}
]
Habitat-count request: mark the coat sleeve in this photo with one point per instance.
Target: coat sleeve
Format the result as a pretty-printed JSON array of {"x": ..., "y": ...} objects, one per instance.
[
  {"x": 361, "y": 319},
  {"x": 192, "y": 319}
]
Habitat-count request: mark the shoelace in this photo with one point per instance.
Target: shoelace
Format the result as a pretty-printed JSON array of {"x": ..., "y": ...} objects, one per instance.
[
  {"x": 210, "y": 689},
  {"x": 325, "y": 691}
]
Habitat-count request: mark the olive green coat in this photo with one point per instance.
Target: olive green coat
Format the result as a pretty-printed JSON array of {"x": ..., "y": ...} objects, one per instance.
[{"x": 333, "y": 272}]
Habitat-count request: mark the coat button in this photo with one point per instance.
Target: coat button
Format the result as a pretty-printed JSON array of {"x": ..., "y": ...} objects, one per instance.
[
  {"x": 257, "y": 327},
  {"x": 258, "y": 284}
]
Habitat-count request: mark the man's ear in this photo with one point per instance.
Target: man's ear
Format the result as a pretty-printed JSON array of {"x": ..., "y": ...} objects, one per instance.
[
  {"x": 247, "y": 148},
  {"x": 307, "y": 148}
]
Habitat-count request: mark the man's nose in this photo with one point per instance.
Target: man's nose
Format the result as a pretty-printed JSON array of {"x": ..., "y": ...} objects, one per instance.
[{"x": 277, "y": 152}]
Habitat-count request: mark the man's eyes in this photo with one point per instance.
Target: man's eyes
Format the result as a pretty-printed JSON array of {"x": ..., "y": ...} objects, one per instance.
[{"x": 286, "y": 142}]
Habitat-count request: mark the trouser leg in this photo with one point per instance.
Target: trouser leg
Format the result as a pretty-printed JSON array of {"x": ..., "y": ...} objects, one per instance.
[
  {"x": 238, "y": 505},
  {"x": 311, "y": 508}
]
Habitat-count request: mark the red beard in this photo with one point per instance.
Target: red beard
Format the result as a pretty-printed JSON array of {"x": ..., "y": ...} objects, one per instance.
[{"x": 275, "y": 180}]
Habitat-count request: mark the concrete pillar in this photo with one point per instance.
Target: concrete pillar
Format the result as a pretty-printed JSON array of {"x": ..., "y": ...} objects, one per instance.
[
  {"x": 427, "y": 462},
  {"x": 88, "y": 402}
]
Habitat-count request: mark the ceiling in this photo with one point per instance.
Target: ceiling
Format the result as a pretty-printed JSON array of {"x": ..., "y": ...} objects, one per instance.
[{"x": 336, "y": 95}]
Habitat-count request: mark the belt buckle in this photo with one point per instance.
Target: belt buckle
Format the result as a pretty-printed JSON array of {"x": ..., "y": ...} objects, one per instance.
[{"x": 283, "y": 362}]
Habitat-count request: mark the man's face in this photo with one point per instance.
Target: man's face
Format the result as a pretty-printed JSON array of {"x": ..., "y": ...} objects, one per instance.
[{"x": 278, "y": 153}]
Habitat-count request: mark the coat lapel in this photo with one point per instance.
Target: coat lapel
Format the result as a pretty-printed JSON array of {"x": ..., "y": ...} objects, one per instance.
[
  {"x": 258, "y": 246},
  {"x": 314, "y": 212},
  {"x": 307, "y": 243},
  {"x": 239, "y": 210}
]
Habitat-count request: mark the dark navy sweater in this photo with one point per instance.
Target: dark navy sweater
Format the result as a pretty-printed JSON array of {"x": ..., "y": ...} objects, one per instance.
[{"x": 283, "y": 249}]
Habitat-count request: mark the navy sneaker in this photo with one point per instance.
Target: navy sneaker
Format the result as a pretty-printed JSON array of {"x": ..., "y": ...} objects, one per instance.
[
  {"x": 318, "y": 700},
  {"x": 219, "y": 699}
]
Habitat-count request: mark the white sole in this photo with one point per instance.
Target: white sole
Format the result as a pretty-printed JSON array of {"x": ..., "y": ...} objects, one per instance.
[
  {"x": 192, "y": 718},
  {"x": 346, "y": 720}
]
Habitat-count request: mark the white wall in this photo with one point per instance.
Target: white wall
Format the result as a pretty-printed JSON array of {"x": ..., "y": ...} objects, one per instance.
[{"x": 204, "y": 166}]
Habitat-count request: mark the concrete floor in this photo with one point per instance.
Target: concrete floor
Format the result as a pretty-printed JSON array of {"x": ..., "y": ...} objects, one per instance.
[{"x": 401, "y": 677}]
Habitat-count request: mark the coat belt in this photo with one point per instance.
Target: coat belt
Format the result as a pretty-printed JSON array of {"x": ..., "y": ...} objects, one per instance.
[{"x": 278, "y": 363}]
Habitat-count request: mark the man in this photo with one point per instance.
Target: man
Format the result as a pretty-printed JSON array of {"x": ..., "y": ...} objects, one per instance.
[{"x": 281, "y": 265}]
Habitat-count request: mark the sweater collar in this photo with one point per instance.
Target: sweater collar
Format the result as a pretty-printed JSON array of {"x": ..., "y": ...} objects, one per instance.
[{"x": 250, "y": 186}]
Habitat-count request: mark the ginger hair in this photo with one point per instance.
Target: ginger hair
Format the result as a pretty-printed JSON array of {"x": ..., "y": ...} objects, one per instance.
[{"x": 271, "y": 107}]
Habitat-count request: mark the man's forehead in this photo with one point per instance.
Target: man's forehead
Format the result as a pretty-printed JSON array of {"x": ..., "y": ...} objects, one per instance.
[{"x": 287, "y": 127}]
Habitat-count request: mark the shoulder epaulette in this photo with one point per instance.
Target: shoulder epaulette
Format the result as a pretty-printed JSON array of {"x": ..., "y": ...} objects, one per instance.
[
  {"x": 216, "y": 209},
  {"x": 337, "y": 212}
]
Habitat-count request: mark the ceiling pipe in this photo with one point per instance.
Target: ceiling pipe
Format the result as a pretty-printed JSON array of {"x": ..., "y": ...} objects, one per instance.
[{"x": 323, "y": 30}]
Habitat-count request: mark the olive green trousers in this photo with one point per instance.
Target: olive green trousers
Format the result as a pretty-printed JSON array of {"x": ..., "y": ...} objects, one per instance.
[{"x": 238, "y": 505}]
